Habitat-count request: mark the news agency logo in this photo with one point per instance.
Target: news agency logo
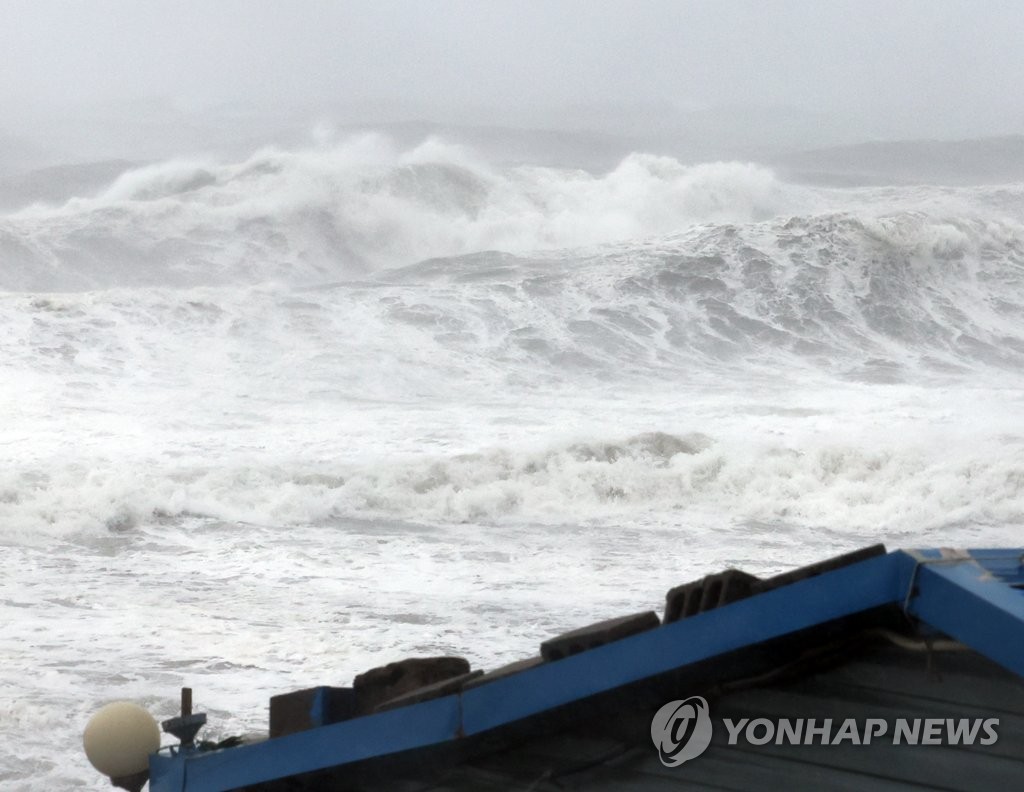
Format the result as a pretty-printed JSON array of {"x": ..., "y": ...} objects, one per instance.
[{"x": 681, "y": 730}]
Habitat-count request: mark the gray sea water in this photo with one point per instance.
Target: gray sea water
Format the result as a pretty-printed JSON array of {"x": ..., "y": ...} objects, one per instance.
[{"x": 269, "y": 423}]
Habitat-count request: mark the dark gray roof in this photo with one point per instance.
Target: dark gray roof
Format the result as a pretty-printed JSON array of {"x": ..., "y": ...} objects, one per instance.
[{"x": 885, "y": 681}]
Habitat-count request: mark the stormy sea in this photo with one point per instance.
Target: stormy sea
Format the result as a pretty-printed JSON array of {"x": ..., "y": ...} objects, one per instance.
[{"x": 271, "y": 421}]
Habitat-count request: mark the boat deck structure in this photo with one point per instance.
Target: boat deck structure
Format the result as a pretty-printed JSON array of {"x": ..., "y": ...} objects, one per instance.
[{"x": 931, "y": 640}]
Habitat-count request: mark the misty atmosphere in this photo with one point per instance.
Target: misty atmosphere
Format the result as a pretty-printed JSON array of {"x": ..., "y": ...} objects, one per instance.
[
  {"x": 800, "y": 85},
  {"x": 338, "y": 332}
]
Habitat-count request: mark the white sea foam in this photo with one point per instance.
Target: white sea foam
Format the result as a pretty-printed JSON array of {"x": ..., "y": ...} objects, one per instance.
[
  {"x": 272, "y": 422},
  {"x": 656, "y": 479}
]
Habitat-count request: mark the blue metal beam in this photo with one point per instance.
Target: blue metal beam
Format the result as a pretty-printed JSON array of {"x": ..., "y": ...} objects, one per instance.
[
  {"x": 971, "y": 598},
  {"x": 810, "y": 602}
]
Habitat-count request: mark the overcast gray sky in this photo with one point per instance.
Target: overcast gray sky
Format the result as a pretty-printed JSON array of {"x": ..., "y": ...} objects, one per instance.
[{"x": 926, "y": 68}]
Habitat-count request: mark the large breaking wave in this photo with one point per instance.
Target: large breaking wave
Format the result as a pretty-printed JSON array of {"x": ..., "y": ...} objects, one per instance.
[
  {"x": 307, "y": 216},
  {"x": 650, "y": 266}
]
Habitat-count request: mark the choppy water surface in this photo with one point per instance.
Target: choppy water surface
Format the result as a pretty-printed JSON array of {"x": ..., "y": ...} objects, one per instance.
[{"x": 270, "y": 423}]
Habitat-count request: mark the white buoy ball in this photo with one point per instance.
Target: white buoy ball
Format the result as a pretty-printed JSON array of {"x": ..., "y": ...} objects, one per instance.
[{"x": 119, "y": 738}]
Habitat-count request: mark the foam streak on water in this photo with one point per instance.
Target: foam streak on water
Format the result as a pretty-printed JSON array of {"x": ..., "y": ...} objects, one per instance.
[{"x": 270, "y": 423}]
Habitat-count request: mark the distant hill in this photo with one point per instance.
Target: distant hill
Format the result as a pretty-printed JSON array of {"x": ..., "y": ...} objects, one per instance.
[
  {"x": 58, "y": 183},
  {"x": 960, "y": 162}
]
